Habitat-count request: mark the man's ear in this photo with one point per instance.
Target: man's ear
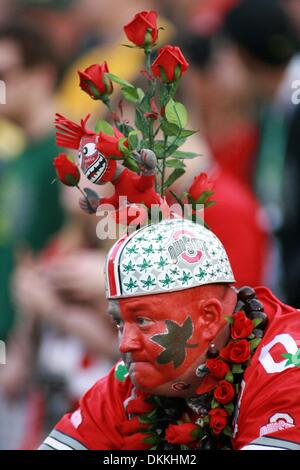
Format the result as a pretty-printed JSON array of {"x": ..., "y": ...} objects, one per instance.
[{"x": 210, "y": 318}]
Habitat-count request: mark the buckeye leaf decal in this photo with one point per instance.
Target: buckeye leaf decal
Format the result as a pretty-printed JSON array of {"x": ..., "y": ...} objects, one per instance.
[
  {"x": 292, "y": 359},
  {"x": 175, "y": 342}
]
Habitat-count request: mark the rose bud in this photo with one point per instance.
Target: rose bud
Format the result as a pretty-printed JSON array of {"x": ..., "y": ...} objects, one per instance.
[
  {"x": 170, "y": 64},
  {"x": 217, "y": 368},
  {"x": 67, "y": 172},
  {"x": 217, "y": 420},
  {"x": 236, "y": 352},
  {"x": 224, "y": 393},
  {"x": 182, "y": 433},
  {"x": 242, "y": 326},
  {"x": 94, "y": 81},
  {"x": 142, "y": 30}
]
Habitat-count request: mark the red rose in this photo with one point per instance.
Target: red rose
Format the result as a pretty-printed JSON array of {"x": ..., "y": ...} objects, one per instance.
[
  {"x": 242, "y": 326},
  {"x": 132, "y": 426},
  {"x": 136, "y": 31},
  {"x": 200, "y": 184},
  {"x": 217, "y": 368},
  {"x": 137, "y": 442},
  {"x": 182, "y": 433},
  {"x": 94, "y": 81},
  {"x": 139, "y": 406},
  {"x": 108, "y": 145},
  {"x": 236, "y": 351},
  {"x": 217, "y": 420},
  {"x": 169, "y": 59},
  {"x": 67, "y": 171},
  {"x": 224, "y": 393}
]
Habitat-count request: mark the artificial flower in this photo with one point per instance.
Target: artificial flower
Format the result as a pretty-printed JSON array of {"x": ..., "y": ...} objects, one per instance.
[
  {"x": 217, "y": 368},
  {"x": 182, "y": 433},
  {"x": 67, "y": 172},
  {"x": 241, "y": 326},
  {"x": 217, "y": 420},
  {"x": 95, "y": 82},
  {"x": 236, "y": 351},
  {"x": 170, "y": 64},
  {"x": 142, "y": 30},
  {"x": 224, "y": 393}
]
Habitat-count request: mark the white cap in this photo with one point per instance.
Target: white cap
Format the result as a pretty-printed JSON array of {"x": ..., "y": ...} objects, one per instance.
[{"x": 172, "y": 255}]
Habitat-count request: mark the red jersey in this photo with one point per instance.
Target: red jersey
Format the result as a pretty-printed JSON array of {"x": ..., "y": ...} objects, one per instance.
[
  {"x": 269, "y": 408},
  {"x": 268, "y": 413}
]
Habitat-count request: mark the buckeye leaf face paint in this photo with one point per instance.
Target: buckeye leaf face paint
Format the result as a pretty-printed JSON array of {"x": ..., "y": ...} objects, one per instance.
[
  {"x": 174, "y": 342},
  {"x": 160, "y": 341}
]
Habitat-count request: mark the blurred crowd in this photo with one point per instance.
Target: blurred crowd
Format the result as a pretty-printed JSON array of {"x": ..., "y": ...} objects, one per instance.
[{"x": 244, "y": 63}]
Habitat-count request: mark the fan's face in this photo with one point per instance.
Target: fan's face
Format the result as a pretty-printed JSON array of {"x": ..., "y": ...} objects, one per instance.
[
  {"x": 161, "y": 342},
  {"x": 91, "y": 161}
]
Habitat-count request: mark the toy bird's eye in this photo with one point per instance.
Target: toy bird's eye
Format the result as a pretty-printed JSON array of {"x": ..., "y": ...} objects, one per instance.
[
  {"x": 80, "y": 157},
  {"x": 89, "y": 149}
]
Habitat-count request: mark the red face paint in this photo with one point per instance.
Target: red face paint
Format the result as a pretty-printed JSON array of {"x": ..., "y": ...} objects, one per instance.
[{"x": 161, "y": 340}]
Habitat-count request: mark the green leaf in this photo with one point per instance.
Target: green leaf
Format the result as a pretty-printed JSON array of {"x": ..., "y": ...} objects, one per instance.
[
  {"x": 130, "y": 162},
  {"x": 123, "y": 147},
  {"x": 173, "y": 163},
  {"x": 170, "y": 129},
  {"x": 141, "y": 122},
  {"x": 133, "y": 140},
  {"x": 151, "y": 440},
  {"x": 229, "y": 377},
  {"x": 229, "y": 319},
  {"x": 185, "y": 155},
  {"x": 209, "y": 204},
  {"x": 177, "y": 173},
  {"x": 125, "y": 128},
  {"x": 184, "y": 447},
  {"x": 159, "y": 149},
  {"x": 148, "y": 417},
  {"x": 214, "y": 404},
  {"x": 237, "y": 369},
  {"x": 204, "y": 196},
  {"x": 176, "y": 113},
  {"x": 71, "y": 180},
  {"x": 119, "y": 80},
  {"x": 229, "y": 408},
  {"x": 187, "y": 133},
  {"x": 130, "y": 94},
  {"x": 256, "y": 322},
  {"x": 104, "y": 126},
  {"x": 254, "y": 343},
  {"x": 141, "y": 94}
]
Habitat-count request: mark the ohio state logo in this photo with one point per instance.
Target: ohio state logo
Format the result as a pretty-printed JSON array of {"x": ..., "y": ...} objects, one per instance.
[
  {"x": 277, "y": 422},
  {"x": 185, "y": 245}
]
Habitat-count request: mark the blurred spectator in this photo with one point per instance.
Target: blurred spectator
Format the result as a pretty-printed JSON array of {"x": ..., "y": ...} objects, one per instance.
[
  {"x": 29, "y": 204},
  {"x": 268, "y": 48},
  {"x": 215, "y": 91},
  {"x": 220, "y": 89},
  {"x": 64, "y": 340},
  {"x": 7, "y": 10}
]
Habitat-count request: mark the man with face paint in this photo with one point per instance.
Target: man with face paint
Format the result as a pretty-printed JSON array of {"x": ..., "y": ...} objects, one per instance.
[{"x": 170, "y": 291}]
